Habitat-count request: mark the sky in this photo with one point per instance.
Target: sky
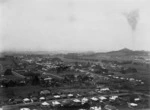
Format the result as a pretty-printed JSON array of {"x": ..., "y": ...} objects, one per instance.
[{"x": 73, "y": 25}]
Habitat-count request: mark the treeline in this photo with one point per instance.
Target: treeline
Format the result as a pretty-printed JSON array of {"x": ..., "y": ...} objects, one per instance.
[{"x": 76, "y": 57}]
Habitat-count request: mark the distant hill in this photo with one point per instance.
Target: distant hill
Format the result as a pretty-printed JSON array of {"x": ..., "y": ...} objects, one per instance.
[{"x": 128, "y": 52}]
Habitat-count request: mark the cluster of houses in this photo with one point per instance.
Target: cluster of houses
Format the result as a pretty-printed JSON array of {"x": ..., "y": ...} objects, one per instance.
[
  {"x": 76, "y": 101},
  {"x": 137, "y": 81}
]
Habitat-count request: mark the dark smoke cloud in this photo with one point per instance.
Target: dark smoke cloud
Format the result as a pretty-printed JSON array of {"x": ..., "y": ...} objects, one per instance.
[{"x": 132, "y": 18}]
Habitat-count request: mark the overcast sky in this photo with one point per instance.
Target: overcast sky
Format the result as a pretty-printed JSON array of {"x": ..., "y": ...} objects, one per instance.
[{"x": 73, "y": 25}]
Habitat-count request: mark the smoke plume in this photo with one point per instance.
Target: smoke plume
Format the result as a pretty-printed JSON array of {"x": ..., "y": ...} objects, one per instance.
[{"x": 132, "y": 18}]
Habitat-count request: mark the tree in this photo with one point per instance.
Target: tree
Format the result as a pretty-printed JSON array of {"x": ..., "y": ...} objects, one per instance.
[
  {"x": 8, "y": 72},
  {"x": 35, "y": 80}
]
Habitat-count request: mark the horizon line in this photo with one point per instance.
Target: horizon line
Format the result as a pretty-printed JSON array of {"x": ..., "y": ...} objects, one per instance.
[{"x": 69, "y": 51}]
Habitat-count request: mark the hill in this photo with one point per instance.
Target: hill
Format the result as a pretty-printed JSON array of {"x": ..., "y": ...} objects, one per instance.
[
  {"x": 123, "y": 54},
  {"x": 128, "y": 52}
]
